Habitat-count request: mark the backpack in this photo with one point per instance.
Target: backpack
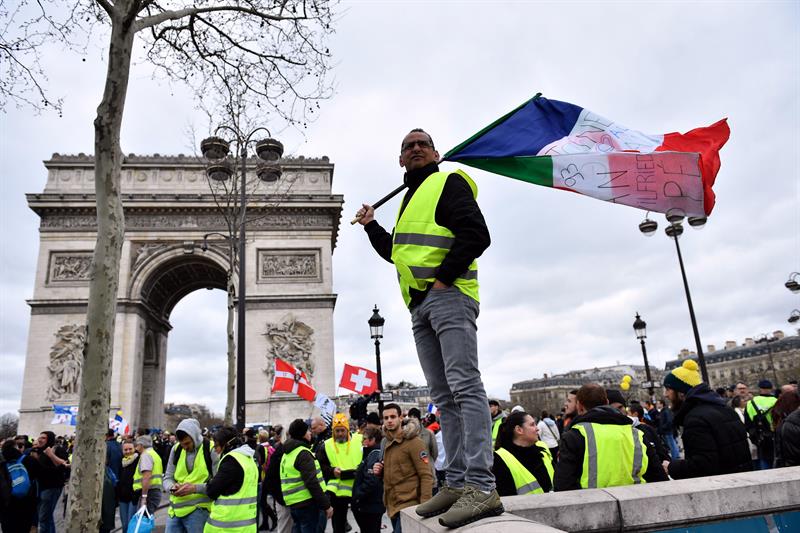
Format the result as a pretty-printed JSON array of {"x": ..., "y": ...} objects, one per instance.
[
  {"x": 761, "y": 430},
  {"x": 20, "y": 480}
]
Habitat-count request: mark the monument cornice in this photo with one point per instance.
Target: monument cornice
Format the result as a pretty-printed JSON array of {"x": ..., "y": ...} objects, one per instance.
[
  {"x": 131, "y": 160},
  {"x": 56, "y": 217}
]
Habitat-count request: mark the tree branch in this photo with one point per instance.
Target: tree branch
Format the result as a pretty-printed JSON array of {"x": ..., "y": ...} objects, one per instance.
[{"x": 154, "y": 20}]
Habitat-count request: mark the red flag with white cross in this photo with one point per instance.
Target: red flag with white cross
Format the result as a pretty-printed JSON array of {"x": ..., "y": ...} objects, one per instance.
[
  {"x": 358, "y": 379},
  {"x": 290, "y": 379}
]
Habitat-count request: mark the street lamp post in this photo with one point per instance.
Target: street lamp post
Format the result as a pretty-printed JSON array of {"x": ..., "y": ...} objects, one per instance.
[
  {"x": 640, "y": 327},
  {"x": 215, "y": 150},
  {"x": 674, "y": 230},
  {"x": 376, "y": 322}
]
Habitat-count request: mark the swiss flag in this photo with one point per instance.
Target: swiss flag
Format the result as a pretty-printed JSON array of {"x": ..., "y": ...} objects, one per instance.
[
  {"x": 359, "y": 379},
  {"x": 290, "y": 379}
]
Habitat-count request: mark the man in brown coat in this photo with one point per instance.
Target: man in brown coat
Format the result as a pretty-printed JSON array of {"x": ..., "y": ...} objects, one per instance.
[{"x": 406, "y": 470}]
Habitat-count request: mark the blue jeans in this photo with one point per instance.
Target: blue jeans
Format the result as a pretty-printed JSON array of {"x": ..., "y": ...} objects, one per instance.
[
  {"x": 126, "y": 511},
  {"x": 193, "y": 522},
  {"x": 306, "y": 519},
  {"x": 674, "y": 452},
  {"x": 48, "y": 498},
  {"x": 445, "y": 332}
]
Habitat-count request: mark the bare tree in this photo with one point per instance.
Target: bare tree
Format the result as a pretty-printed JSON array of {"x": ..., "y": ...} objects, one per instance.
[
  {"x": 8, "y": 425},
  {"x": 271, "y": 52}
]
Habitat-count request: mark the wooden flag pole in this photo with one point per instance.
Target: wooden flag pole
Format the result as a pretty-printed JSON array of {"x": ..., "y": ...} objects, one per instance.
[{"x": 382, "y": 201}]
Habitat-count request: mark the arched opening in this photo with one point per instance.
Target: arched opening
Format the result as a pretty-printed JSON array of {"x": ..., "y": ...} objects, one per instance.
[{"x": 197, "y": 362}]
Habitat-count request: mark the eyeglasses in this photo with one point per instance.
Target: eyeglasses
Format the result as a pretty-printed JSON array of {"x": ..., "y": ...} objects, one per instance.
[{"x": 422, "y": 144}]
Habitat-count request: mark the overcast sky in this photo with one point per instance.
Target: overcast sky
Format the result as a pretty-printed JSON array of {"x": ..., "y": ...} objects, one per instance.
[{"x": 565, "y": 274}]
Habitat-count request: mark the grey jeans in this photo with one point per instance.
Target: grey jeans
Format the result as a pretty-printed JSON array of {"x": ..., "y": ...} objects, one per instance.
[{"x": 445, "y": 333}]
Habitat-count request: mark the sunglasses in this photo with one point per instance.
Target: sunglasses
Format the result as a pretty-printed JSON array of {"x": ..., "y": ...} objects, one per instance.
[{"x": 422, "y": 144}]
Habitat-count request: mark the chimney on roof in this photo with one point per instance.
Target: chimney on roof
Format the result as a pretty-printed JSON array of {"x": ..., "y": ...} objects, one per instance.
[
  {"x": 711, "y": 348},
  {"x": 778, "y": 334},
  {"x": 683, "y": 354},
  {"x": 545, "y": 376},
  {"x": 730, "y": 344},
  {"x": 749, "y": 341}
]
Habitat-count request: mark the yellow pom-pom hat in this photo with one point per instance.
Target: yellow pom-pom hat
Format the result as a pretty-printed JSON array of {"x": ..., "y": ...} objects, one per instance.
[{"x": 684, "y": 377}]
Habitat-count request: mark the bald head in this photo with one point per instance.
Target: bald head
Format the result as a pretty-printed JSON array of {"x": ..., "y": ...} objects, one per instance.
[{"x": 318, "y": 425}]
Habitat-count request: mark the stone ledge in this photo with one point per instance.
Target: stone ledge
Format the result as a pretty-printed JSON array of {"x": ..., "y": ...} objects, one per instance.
[
  {"x": 505, "y": 523},
  {"x": 641, "y": 507}
]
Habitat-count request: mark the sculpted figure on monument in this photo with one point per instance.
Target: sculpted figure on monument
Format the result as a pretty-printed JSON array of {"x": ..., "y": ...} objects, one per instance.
[
  {"x": 72, "y": 267},
  {"x": 66, "y": 358},
  {"x": 291, "y": 340}
]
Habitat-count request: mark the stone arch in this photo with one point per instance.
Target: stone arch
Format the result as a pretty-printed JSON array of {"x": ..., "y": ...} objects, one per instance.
[{"x": 168, "y": 211}]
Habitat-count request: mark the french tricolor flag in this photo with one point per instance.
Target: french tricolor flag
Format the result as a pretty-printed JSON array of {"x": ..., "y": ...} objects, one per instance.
[{"x": 564, "y": 146}]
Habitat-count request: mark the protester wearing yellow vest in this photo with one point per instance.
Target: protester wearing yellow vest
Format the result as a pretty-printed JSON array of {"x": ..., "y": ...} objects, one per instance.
[
  {"x": 522, "y": 462},
  {"x": 148, "y": 474},
  {"x": 602, "y": 448},
  {"x": 234, "y": 487},
  {"x": 496, "y": 412},
  {"x": 762, "y": 434},
  {"x": 339, "y": 458},
  {"x": 302, "y": 484},
  {"x": 439, "y": 233},
  {"x": 189, "y": 468}
]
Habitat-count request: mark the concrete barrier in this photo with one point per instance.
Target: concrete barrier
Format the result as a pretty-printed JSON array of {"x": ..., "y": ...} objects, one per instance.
[{"x": 648, "y": 507}]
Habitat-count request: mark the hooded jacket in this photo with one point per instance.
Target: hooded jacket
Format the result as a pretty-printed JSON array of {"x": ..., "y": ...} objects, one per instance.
[
  {"x": 304, "y": 463},
  {"x": 407, "y": 477},
  {"x": 230, "y": 476},
  {"x": 714, "y": 438},
  {"x": 191, "y": 427},
  {"x": 571, "y": 449},
  {"x": 787, "y": 441}
]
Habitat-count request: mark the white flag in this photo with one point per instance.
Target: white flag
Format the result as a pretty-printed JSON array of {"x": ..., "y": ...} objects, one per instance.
[{"x": 325, "y": 404}]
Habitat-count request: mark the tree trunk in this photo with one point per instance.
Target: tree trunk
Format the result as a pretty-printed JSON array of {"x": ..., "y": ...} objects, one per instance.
[
  {"x": 231, "y": 400},
  {"x": 86, "y": 481}
]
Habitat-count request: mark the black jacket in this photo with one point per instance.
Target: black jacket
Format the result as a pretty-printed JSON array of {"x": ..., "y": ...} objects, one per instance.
[
  {"x": 532, "y": 458},
  {"x": 272, "y": 480},
  {"x": 714, "y": 438},
  {"x": 368, "y": 488},
  {"x": 304, "y": 463},
  {"x": 787, "y": 441},
  {"x": 457, "y": 211},
  {"x": 652, "y": 439},
  {"x": 665, "y": 420},
  {"x": 571, "y": 450}
]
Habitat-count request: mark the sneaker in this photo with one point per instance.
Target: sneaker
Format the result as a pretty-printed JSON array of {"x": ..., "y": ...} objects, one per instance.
[
  {"x": 440, "y": 503},
  {"x": 471, "y": 507}
]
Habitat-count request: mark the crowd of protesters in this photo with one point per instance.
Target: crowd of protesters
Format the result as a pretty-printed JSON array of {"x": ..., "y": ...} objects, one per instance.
[{"x": 374, "y": 465}]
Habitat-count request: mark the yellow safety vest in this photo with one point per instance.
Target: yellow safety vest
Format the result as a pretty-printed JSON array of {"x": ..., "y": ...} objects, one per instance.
[
  {"x": 496, "y": 429},
  {"x": 419, "y": 244},
  {"x": 181, "y": 506},
  {"x": 155, "y": 475},
  {"x": 524, "y": 481},
  {"x": 613, "y": 455},
  {"x": 292, "y": 486},
  {"x": 236, "y": 513},
  {"x": 764, "y": 404},
  {"x": 346, "y": 456}
]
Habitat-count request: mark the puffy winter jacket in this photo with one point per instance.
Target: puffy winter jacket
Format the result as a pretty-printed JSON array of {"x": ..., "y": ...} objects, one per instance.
[
  {"x": 787, "y": 441},
  {"x": 714, "y": 438}
]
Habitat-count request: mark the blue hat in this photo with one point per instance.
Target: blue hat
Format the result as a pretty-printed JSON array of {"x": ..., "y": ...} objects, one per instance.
[{"x": 765, "y": 384}]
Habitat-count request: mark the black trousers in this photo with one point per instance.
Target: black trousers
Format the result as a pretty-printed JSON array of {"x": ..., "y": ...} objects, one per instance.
[
  {"x": 340, "y": 505},
  {"x": 368, "y": 522}
]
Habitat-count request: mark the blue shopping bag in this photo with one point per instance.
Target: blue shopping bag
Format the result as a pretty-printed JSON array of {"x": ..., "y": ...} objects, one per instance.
[{"x": 141, "y": 522}]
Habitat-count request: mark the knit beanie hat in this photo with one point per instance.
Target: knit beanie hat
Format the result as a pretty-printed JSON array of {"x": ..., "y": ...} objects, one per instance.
[
  {"x": 340, "y": 421},
  {"x": 298, "y": 429},
  {"x": 684, "y": 377}
]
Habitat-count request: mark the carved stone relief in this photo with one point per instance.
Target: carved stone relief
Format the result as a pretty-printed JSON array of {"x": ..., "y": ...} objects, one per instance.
[
  {"x": 292, "y": 341},
  {"x": 144, "y": 221},
  {"x": 66, "y": 360},
  {"x": 145, "y": 250},
  {"x": 70, "y": 267},
  {"x": 289, "y": 265}
]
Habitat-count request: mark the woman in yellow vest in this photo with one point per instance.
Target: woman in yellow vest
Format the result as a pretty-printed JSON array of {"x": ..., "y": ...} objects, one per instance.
[
  {"x": 522, "y": 463},
  {"x": 234, "y": 488}
]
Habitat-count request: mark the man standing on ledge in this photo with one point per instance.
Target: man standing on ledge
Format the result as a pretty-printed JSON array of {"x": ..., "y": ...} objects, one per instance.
[{"x": 438, "y": 234}]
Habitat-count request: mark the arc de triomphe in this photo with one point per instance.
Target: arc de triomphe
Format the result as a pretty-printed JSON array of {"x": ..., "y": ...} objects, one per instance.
[{"x": 168, "y": 209}]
